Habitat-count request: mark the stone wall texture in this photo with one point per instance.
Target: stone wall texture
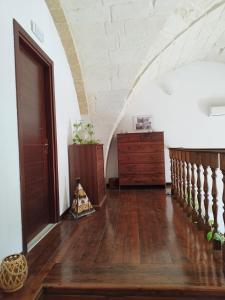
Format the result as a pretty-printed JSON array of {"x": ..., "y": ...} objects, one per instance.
[{"x": 120, "y": 41}]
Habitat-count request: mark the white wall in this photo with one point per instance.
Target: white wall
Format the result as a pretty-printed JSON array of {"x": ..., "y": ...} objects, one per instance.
[
  {"x": 67, "y": 112},
  {"x": 179, "y": 104}
]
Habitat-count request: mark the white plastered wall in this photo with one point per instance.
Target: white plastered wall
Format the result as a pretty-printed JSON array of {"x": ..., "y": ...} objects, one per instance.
[
  {"x": 67, "y": 112},
  {"x": 118, "y": 41},
  {"x": 179, "y": 104}
]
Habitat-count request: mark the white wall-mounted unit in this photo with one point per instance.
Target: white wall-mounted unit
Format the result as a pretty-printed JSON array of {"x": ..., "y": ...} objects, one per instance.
[{"x": 217, "y": 111}]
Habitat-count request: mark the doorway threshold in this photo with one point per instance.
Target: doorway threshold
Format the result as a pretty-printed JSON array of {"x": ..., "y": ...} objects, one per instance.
[{"x": 40, "y": 236}]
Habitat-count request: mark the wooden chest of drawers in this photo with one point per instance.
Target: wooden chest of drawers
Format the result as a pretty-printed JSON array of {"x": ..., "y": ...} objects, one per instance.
[
  {"x": 141, "y": 158},
  {"x": 87, "y": 162}
]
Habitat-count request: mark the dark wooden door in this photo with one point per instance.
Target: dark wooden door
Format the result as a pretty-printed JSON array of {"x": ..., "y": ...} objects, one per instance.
[
  {"x": 37, "y": 144},
  {"x": 33, "y": 141}
]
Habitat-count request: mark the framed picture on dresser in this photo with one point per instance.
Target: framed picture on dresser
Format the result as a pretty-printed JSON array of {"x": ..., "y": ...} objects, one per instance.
[{"x": 142, "y": 122}]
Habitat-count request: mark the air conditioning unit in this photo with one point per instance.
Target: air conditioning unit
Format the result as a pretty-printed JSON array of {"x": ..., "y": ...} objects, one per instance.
[{"x": 216, "y": 111}]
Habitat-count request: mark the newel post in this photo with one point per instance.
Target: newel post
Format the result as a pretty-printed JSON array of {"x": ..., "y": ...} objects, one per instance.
[
  {"x": 172, "y": 169},
  {"x": 180, "y": 166},
  {"x": 199, "y": 191},
  {"x": 176, "y": 174},
  {"x": 222, "y": 167},
  {"x": 193, "y": 186},
  {"x": 184, "y": 187},
  {"x": 214, "y": 165},
  {"x": 206, "y": 163},
  {"x": 187, "y": 158}
]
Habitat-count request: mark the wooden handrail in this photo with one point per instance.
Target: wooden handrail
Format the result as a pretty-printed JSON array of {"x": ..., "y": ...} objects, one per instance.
[
  {"x": 205, "y": 157},
  {"x": 219, "y": 150}
]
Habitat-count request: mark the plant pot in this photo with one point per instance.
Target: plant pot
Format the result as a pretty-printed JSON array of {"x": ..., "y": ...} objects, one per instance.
[{"x": 13, "y": 273}]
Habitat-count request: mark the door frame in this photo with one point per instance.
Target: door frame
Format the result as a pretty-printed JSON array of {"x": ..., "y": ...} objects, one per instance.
[{"x": 22, "y": 37}]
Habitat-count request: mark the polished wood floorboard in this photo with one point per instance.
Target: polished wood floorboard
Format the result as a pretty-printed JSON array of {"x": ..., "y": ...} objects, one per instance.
[{"x": 140, "y": 244}]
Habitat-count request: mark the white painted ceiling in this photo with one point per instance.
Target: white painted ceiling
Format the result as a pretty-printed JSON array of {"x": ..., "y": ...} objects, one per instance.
[{"x": 120, "y": 41}]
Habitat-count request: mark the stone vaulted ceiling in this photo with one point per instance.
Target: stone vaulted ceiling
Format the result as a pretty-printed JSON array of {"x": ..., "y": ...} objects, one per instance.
[{"x": 118, "y": 42}]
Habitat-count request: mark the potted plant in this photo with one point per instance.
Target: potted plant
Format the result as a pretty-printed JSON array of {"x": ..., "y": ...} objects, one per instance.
[
  {"x": 217, "y": 237},
  {"x": 83, "y": 133}
]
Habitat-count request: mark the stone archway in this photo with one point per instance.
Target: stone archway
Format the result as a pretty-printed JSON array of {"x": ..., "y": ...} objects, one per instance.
[{"x": 71, "y": 53}]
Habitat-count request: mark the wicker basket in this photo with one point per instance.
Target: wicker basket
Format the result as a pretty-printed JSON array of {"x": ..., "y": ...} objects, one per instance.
[{"x": 13, "y": 272}]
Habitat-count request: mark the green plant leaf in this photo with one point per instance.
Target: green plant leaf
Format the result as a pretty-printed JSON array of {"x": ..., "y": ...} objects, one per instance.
[
  {"x": 222, "y": 239},
  {"x": 209, "y": 236},
  {"x": 84, "y": 133},
  {"x": 217, "y": 237}
]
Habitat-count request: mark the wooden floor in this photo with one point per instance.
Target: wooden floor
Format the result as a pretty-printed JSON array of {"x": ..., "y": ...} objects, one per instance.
[{"x": 140, "y": 246}]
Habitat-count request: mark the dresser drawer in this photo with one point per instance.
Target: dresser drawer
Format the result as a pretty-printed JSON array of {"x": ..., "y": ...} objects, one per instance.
[
  {"x": 148, "y": 147},
  {"x": 140, "y": 137},
  {"x": 152, "y": 137},
  {"x": 141, "y": 168},
  {"x": 157, "y": 179},
  {"x": 128, "y": 138},
  {"x": 141, "y": 157}
]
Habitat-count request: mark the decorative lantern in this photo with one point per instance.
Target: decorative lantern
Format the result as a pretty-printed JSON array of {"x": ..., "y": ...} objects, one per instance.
[
  {"x": 81, "y": 205},
  {"x": 13, "y": 272}
]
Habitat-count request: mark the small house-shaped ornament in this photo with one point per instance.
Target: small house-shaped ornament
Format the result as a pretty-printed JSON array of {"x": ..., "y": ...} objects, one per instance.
[{"x": 81, "y": 205}]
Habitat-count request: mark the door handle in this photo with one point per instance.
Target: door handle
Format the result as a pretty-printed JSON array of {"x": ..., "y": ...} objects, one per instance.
[{"x": 45, "y": 148}]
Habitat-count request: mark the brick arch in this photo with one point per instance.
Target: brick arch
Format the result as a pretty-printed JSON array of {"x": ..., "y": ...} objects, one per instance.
[{"x": 71, "y": 53}]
